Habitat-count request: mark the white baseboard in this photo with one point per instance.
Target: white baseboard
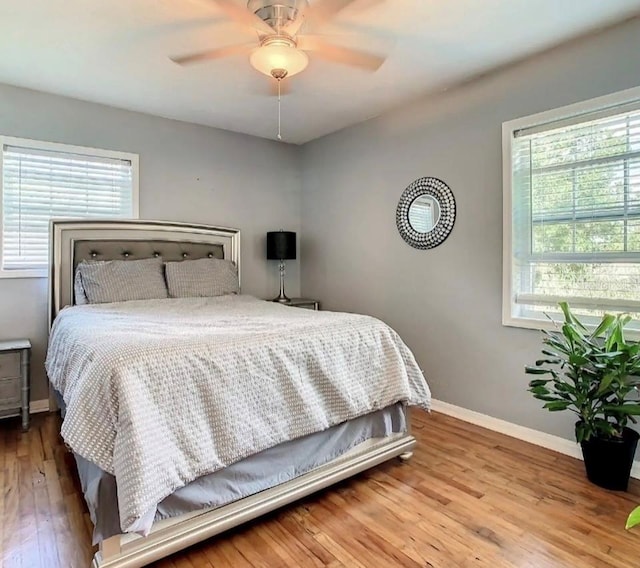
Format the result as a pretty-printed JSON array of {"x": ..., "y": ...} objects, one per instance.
[
  {"x": 549, "y": 441},
  {"x": 39, "y": 406}
]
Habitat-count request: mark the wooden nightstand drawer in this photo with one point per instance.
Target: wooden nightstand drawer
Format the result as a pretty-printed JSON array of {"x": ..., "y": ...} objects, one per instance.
[
  {"x": 10, "y": 393},
  {"x": 9, "y": 365},
  {"x": 15, "y": 380}
]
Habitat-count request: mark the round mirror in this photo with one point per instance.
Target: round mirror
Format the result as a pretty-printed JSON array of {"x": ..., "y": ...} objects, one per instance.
[{"x": 424, "y": 213}]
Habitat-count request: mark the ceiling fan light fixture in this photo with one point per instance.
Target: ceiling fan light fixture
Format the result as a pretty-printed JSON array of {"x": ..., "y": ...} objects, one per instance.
[{"x": 279, "y": 55}]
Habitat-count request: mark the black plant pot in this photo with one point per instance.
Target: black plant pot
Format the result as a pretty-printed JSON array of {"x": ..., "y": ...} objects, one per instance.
[{"x": 608, "y": 461}]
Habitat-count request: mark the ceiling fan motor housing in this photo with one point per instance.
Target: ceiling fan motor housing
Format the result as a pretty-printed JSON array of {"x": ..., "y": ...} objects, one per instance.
[{"x": 276, "y": 13}]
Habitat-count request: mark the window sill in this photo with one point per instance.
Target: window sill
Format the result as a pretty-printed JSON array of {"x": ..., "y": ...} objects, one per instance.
[
  {"x": 36, "y": 273},
  {"x": 632, "y": 333}
]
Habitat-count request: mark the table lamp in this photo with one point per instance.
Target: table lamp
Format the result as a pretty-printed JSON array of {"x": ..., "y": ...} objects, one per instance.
[{"x": 281, "y": 245}]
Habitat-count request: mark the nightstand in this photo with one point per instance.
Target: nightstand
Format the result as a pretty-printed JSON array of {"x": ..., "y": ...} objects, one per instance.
[
  {"x": 305, "y": 303},
  {"x": 15, "y": 380}
]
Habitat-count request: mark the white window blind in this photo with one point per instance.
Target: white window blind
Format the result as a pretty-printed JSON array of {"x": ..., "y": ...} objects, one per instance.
[
  {"x": 39, "y": 184},
  {"x": 575, "y": 223}
]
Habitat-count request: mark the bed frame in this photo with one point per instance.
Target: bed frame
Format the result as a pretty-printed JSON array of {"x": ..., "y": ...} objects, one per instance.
[{"x": 73, "y": 241}]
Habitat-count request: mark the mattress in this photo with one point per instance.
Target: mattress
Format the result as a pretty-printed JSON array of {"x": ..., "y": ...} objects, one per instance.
[
  {"x": 160, "y": 393},
  {"x": 258, "y": 472}
]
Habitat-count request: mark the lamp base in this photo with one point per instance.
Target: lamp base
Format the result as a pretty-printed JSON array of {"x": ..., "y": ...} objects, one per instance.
[{"x": 282, "y": 297}]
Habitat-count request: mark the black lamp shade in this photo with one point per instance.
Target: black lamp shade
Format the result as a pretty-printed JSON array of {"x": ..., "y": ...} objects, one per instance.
[{"x": 281, "y": 245}]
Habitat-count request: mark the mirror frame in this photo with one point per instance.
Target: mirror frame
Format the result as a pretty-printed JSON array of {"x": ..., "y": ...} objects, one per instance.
[{"x": 441, "y": 192}]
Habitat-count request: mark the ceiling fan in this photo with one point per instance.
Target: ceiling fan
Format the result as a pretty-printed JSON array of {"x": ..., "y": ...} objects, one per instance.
[{"x": 282, "y": 47}]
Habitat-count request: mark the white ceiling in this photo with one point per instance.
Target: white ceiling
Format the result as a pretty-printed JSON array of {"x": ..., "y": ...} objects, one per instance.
[{"x": 116, "y": 52}]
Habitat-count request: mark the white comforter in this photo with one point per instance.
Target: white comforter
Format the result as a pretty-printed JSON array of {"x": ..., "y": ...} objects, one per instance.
[{"x": 160, "y": 392}]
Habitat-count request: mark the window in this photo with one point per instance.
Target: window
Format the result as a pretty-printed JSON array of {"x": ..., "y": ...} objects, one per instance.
[
  {"x": 42, "y": 180},
  {"x": 572, "y": 210}
]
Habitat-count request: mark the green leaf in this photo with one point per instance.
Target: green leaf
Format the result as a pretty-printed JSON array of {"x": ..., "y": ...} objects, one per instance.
[
  {"x": 577, "y": 360},
  {"x": 538, "y": 382},
  {"x": 540, "y": 390},
  {"x": 573, "y": 335},
  {"x": 550, "y": 354},
  {"x": 569, "y": 317},
  {"x": 545, "y": 397},
  {"x": 634, "y": 519},
  {"x": 633, "y": 409},
  {"x": 541, "y": 362},
  {"x": 610, "y": 354},
  {"x": 616, "y": 337},
  {"x": 605, "y": 384},
  {"x": 557, "y": 344},
  {"x": 564, "y": 387},
  {"x": 583, "y": 432},
  {"x": 536, "y": 371},
  {"x": 604, "y": 427},
  {"x": 605, "y": 324},
  {"x": 624, "y": 320},
  {"x": 556, "y": 405},
  {"x": 634, "y": 349}
]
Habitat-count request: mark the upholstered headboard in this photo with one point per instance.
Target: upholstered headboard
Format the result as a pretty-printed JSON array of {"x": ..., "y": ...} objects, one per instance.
[
  {"x": 134, "y": 250},
  {"x": 71, "y": 242}
]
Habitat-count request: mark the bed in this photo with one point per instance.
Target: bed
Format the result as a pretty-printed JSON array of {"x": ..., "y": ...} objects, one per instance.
[{"x": 108, "y": 365}]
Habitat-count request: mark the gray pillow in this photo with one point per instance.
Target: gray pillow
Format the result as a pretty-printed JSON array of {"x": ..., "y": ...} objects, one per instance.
[
  {"x": 202, "y": 278},
  {"x": 123, "y": 280},
  {"x": 79, "y": 296}
]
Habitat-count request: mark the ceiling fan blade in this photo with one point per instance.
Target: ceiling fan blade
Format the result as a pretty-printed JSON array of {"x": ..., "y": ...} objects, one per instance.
[
  {"x": 344, "y": 55},
  {"x": 212, "y": 54},
  {"x": 324, "y": 10},
  {"x": 293, "y": 28},
  {"x": 243, "y": 16}
]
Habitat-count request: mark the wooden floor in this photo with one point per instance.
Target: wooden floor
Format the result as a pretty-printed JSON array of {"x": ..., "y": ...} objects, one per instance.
[{"x": 469, "y": 497}]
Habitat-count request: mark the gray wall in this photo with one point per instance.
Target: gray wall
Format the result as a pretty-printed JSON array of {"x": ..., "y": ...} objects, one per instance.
[
  {"x": 187, "y": 173},
  {"x": 446, "y": 303}
]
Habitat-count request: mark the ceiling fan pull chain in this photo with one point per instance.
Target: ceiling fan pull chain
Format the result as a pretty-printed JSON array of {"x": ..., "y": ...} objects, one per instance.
[
  {"x": 279, "y": 111},
  {"x": 278, "y": 75}
]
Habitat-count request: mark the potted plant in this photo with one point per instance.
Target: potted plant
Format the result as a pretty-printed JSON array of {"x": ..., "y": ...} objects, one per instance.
[{"x": 595, "y": 375}]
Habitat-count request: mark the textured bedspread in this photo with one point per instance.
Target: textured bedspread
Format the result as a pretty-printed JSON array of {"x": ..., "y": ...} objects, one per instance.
[{"x": 161, "y": 392}]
